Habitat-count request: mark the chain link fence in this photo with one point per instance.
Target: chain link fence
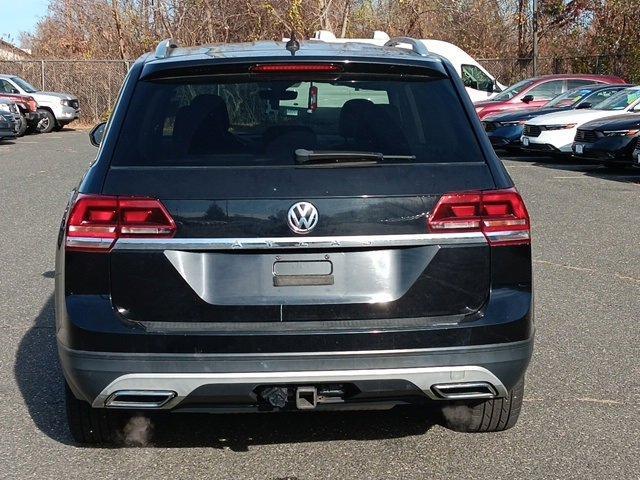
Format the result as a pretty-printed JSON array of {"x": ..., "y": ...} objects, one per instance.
[{"x": 96, "y": 83}]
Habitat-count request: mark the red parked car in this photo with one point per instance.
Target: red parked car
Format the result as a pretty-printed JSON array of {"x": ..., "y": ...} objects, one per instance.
[{"x": 537, "y": 91}]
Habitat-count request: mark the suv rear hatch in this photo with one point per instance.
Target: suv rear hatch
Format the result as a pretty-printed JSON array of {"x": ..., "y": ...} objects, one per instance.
[{"x": 229, "y": 155}]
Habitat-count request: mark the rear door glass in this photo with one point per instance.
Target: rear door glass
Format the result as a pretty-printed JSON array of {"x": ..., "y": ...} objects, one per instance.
[{"x": 223, "y": 122}]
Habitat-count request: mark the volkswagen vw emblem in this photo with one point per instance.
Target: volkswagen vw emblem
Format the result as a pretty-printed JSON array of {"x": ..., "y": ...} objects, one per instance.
[{"x": 302, "y": 217}]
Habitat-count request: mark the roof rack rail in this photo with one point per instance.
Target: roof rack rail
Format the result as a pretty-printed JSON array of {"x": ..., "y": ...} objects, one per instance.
[
  {"x": 163, "y": 50},
  {"x": 416, "y": 45}
]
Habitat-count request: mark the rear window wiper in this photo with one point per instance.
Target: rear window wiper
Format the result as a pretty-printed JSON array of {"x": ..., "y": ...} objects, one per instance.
[{"x": 344, "y": 158}]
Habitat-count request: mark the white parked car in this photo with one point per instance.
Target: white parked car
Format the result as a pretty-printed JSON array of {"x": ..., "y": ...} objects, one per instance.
[
  {"x": 56, "y": 109},
  {"x": 554, "y": 132},
  {"x": 478, "y": 82}
]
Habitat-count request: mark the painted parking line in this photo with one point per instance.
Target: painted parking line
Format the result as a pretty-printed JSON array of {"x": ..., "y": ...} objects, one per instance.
[{"x": 571, "y": 176}]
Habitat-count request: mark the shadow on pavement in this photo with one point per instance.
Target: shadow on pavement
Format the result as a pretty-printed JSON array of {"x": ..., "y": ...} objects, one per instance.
[
  {"x": 238, "y": 432},
  {"x": 39, "y": 379}
]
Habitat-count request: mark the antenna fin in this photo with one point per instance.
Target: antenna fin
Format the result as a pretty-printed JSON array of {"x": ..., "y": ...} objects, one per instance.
[{"x": 293, "y": 45}]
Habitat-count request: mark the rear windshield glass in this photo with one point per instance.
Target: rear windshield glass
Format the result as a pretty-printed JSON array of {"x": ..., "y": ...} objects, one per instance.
[{"x": 222, "y": 122}]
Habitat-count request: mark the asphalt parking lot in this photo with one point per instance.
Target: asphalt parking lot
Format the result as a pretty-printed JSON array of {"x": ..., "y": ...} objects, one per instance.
[{"x": 581, "y": 417}]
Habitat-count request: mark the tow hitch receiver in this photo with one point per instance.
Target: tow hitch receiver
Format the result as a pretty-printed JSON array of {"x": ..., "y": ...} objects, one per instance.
[{"x": 306, "y": 398}]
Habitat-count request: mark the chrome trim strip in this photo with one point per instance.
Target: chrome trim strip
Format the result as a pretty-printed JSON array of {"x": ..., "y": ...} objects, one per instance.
[
  {"x": 92, "y": 242},
  {"x": 510, "y": 235},
  {"x": 113, "y": 402},
  {"x": 185, "y": 383},
  {"x": 441, "y": 389},
  {"x": 356, "y": 241}
]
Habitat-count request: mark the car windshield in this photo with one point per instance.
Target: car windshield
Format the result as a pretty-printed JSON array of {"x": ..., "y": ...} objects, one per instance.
[
  {"x": 223, "y": 121},
  {"x": 620, "y": 101},
  {"x": 512, "y": 91},
  {"x": 570, "y": 98},
  {"x": 24, "y": 85}
]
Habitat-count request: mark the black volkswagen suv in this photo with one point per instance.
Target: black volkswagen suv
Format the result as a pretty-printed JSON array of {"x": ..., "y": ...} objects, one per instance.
[{"x": 307, "y": 226}]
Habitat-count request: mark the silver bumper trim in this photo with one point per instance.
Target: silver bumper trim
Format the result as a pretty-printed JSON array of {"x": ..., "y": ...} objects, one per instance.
[
  {"x": 88, "y": 242},
  {"x": 270, "y": 243},
  {"x": 185, "y": 383}
]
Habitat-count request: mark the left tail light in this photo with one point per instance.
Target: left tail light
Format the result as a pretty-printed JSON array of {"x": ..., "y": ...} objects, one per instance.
[
  {"x": 500, "y": 215},
  {"x": 97, "y": 221}
]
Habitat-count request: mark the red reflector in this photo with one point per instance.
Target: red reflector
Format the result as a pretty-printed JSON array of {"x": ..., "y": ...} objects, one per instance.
[
  {"x": 96, "y": 222},
  {"x": 464, "y": 210},
  {"x": 136, "y": 216},
  {"x": 295, "y": 67},
  {"x": 101, "y": 216},
  {"x": 499, "y": 214}
]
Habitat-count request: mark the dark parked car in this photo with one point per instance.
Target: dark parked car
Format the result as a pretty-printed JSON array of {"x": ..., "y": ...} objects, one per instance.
[
  {"x": 321, "y": 226},
  {"x": 610, "y": 141},
  {"x": 9, "y": 119},
  {"x": 536, "y": 92},
  {"x": 28, "y": 111},
  {"x": 504, "y": 130},
  {"x": 8, "y": 126}
]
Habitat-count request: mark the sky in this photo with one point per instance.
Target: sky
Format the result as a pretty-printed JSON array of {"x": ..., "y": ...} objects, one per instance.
[{"x": 20, "y": 16}]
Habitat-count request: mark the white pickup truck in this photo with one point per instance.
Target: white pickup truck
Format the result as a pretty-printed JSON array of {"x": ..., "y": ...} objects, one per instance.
[{"x": 57, "y": 109}]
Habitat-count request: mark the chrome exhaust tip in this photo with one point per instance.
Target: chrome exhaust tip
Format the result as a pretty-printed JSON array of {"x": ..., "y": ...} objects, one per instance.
[
  {"x": 464, "y": 391},
  {"x": 139, "y": 399}
]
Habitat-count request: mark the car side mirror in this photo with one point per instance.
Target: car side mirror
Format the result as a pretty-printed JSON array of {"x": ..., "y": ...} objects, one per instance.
[
  {"x": 584, "y": 105},
  {"x": 527, "y": 98},
  {"x": 14, "y": 90},
  {"x": 491, "y": 86},
  {"x": 96, "y": 134}
]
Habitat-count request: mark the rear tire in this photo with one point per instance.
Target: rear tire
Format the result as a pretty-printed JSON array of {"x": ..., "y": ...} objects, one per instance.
[
  {"x": 47, "y": 123},
  {"x": 495, "y": 415},
  {"x": 90, "y": 426}
]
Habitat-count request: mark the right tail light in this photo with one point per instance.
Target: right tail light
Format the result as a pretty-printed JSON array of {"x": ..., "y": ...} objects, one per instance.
[{"x": 499, "y": 214}]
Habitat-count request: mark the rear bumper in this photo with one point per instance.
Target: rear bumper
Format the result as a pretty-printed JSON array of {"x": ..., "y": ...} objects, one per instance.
[{"x": 221, "y": 381}]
